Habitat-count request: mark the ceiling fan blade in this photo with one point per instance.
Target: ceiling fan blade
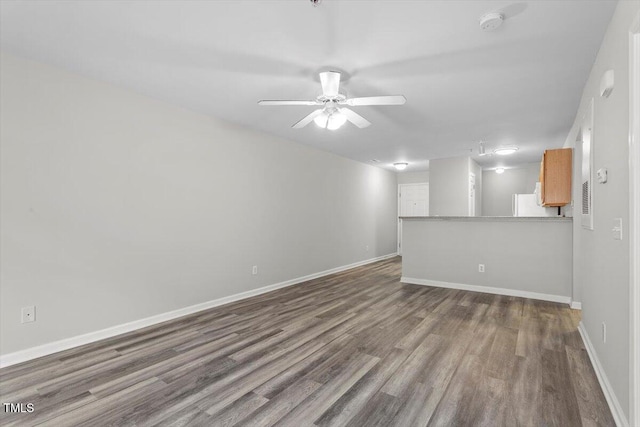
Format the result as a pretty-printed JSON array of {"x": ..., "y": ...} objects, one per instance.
[
  {"x": 308, "y": 119},
  {"x": 284, "y": 102},
  {"x": 355, "y": 118},
  {"x": 376, "y": 100},
  {"x": 330, "y": 81}
]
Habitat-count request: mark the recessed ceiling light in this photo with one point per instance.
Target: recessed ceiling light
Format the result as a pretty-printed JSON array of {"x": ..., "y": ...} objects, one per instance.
[
  {"x": 491, "y": 21},
  {"x": 401, "y": 165},
  {"x": 503, "y": 151},
  {"x": 499, "y": 170}
]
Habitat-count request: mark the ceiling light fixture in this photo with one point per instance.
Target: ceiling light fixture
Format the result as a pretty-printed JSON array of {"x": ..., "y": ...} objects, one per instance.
[
  {"x": 335, "y": 121},
  {"x": 504, "y": 151},
  {"x": 401, "y": 166},
  {"x": 330, "y": 120},
  {"x": 499, "y": 170},
  {"x": 321, "y": 120},
  {"x": 333, "y": 102}
]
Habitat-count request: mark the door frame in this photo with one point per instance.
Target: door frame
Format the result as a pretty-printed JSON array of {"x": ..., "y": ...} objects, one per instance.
[
  {"x": 399, "y": 236},
  {"x": 634, "y": 221},
  {"x": 472, "y": 187}
]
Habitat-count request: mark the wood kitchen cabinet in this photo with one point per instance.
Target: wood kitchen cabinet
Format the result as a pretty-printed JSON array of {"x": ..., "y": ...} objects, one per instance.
[{"x": 555, "y": 177}]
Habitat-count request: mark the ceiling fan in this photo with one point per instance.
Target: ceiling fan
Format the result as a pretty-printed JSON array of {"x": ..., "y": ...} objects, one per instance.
[{"x": 333, "y": 113}]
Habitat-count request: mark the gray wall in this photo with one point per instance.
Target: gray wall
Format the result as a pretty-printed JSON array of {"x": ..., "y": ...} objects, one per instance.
[
  {"x": 519, "y": 254},
  {"x": 413, "y": 177},
  {"x": 117, "y": 207},
  {"x": 497, "y": 189},
  {"x": 448, "y": 186},
  {"x": 601, "y": 264}
]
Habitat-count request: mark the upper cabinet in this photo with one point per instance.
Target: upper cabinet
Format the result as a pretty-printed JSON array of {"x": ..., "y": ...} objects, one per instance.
[{"x": 555, "y": 177}]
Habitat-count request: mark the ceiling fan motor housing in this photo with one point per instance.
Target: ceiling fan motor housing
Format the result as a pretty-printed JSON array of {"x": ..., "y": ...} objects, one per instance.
[{"x": 333, "y": 98}]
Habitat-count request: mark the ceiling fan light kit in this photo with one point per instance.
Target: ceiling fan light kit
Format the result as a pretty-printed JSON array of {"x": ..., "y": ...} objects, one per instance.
[
  {"x": 335, "y": 121},
  {"x": 330, "y": 120},
  {"x": 333, "y": 113}
]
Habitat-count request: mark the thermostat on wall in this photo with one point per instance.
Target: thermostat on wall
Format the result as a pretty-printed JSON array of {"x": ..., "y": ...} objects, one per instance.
[{"x": 602, "y": 175}]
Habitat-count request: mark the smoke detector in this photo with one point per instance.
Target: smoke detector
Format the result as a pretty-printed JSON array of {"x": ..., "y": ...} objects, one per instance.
[
  {"x": 315, "y": 3},
  {"x": 491, "y": 21}
]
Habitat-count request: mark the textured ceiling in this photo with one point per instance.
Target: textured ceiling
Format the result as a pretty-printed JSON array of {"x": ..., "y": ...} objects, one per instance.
[{"x": 520, "y": 84}]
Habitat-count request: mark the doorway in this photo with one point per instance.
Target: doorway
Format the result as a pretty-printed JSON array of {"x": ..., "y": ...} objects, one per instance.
[{"x": 413, "y": 200}]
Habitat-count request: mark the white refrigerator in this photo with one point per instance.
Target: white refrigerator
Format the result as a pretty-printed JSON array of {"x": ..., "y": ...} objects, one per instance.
[{"x": 527, "y": 205}]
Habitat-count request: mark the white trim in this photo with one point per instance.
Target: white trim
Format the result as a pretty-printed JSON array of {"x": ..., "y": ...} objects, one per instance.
[
  {"x": 612, "y": 400},
  {"x": 576, "y": 305},
  {"x": 399, "y": 230},
  {"x": 634, "y": 221},
  {"x": 472, "y": 190},
  {"x": 487, "y": 290},
  {"x": 67, "y": 343}
]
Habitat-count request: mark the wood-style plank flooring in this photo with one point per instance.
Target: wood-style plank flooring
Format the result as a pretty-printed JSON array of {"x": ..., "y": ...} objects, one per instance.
[{"x": 353, "y": 349}]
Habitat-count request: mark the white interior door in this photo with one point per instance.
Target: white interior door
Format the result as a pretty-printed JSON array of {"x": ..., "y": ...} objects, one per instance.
[{"x": 413, "y": 200}]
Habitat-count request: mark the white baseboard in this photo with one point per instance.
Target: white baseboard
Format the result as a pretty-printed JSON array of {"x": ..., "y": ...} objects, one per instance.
[
  {"x": 576, "y": 305},
  {"x": 487, "y": 290},
  {"x": 67, "y": 343},
  {"x": 612, "y": 400}
]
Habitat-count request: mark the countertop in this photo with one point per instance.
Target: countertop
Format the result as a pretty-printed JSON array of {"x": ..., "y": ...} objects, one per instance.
[{"x": 488, "y": 218}]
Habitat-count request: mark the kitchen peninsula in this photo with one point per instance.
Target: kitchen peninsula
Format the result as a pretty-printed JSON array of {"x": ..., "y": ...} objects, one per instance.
[{"x": 529, "y": 257}]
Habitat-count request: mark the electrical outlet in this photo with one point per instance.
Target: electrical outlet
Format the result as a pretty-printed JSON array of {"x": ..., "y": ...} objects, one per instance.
[
  {"x": 366, "y": 248},
  {"x": 604, "y": 332},
  {"x": 254, "y": 270},
  {"x": 480, "y": 268},
  {"x": 28, "y": 314}
]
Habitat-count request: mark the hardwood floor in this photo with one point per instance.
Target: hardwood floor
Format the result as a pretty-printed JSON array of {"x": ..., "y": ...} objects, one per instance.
[{"x": 356, "y": 348}]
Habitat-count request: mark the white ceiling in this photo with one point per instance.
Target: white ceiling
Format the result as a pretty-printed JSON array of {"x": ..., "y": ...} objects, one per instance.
[{"x": 520, "y": 84}]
